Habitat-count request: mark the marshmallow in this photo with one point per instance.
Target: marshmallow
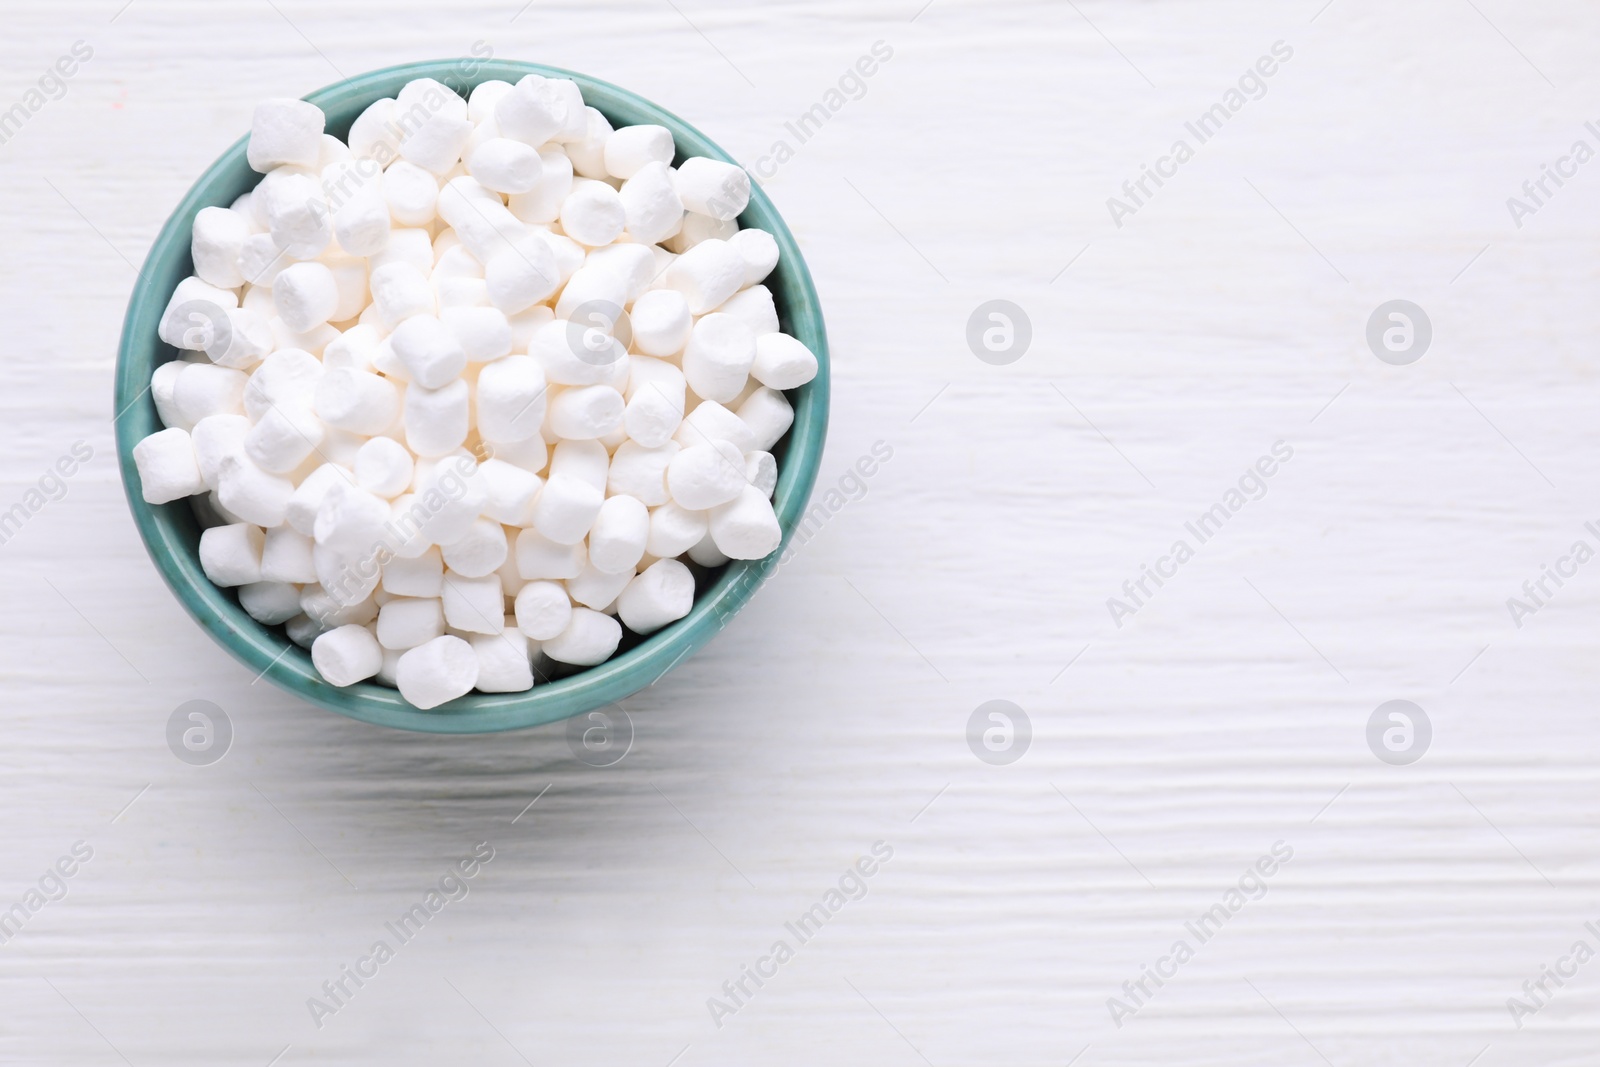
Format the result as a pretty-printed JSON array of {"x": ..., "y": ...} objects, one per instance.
[
  {"x": 769, "y": 416},
  {"x": 167, "y": 467},
  {"x": 754, "y": 308},
  {"x": 372, "y": 133},
  {"x": 194, "y": 315},
  {"x": 219, "y": 236},
  {"x": 718, "y": 357},
  {"x": 432, "y": 355},
  {"x": 286, "y": 557},
  {"x": 440, "y": 670},
  {"x": 479, "y": 553},
  {"x": 579, "y": 122},
  {"x": 512, "y": 491},
  {"x": 288, "y": 377},
  {"x": 350, "y": 279},
  {"x": 630, "y": 148},
  {"x": 350, "y": 520},
  {"x": 435, "y": 119},
  {"x": 475, "y": 605},
  {"x": 231, "y": 555},
  {"x": 481, "y": 221},
  {"x": 703, "y": 476},
  {"x": 710, "y": 422},
  {"x": 566, "y": 508},
  {"x": 584, "y": 460},
  {"x": 353, "y": 350},
  {"x": 697, "y": 228},
  {"x": 163, "y": 386},
  {"x": 597, "y": 589},
  {"x": 244, "y": 342},
  {"x": 305, "y": 296},
  {"x": 746, "y": 527},
  {"x": 573, "y": 355},
  {"x": 656, "y": 397},
  {"x": 707, "y": 275},
  {"x": 538, "y": 557},
  {"x": 592, "y": 214},
  {"x": 661, "y": 322},
  {"x": 261, "y": 260},
  {"x": 533, "y": 111},
  {"x": 634, "y": 265},
  {"x": 712, "y": 187},
  {"x": 451, "y": 494},
  {"x": 589, "y": 638},
  {"x": 521, "y": 273},
  {"x": 641, "y": 472},
  {"x": 543, "y": 203},
  {"x": 421, "y": 576},
  {"x": 312, "y": 341},
  {"x": 706, "y": 553},
  {"x": 411, "y": 193},
  {"x": 270, "y": 603},
  {"x": 661, "y": 593},
  {"x": 782, "y": 362},
  {"x": 585, "y": 412},
  {"x": 485, "y": 97},
  {"x": 617, "y": 539},
  {"x": 283, "y": 438},
  {"x": 504, "y": 662},
  {"x": 511, "y": 399},
  {"x": 586, "y": 144},
  {"x": 347, "y": 655},
  {"x": 406, "y": 622},
  {"x": 652, "y": 211},
  {"x": 411, "y": 245},
  {"x": 543, "y": 609},
  {"x": 284, "y": 131},
  {"x": 759, "y": 250},
  {"x": 674, "y": 530},
  {"x": 330, "y": 610},
  {"x": 594, "y": 297},
  {"x": 436, "y": 419},
  {"x": 358, "y": 401},
  {"x": 216, "y": 436},
  {"x": 399, "y": 291},
  {"x": 506, "y": 166},
  {"x": 303, "y": 630},
  {"x": 303, "y": 505},
  {"x": 204, "y": 390},
  {"x": 531, "y": 453},
  {"x": 484, "y": 333},
  {"x": 297, "y": 216},
  {"x": 761, "y": 471},
  {"x": 382, "y": 466}
]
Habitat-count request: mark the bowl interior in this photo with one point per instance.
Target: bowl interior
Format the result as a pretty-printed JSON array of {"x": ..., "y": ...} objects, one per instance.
[{"x": 172, "y": 535}]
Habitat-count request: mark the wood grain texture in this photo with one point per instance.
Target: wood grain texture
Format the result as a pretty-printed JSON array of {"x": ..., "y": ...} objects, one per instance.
[{"x": 1168, "y": 354}]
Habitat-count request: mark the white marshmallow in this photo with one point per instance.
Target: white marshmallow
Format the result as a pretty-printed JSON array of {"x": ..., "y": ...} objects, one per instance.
[
  {"x": 382, "y": 466},
  {"x": 480, "y": 220},
  {"x": 335, "y": 610},
  {"x": 306, "y": 500},
  {"x": 350, "y": 279},
  {"x": 712, "y": 187},
  {"x": 440, "y": 670},
  {"x": 696, "y": 229},
  {"x": 163, "y": 386},
  {"x": 594, "y": 297},
  {"x": 769, "y": 416},
  {"x": 663, "y": 592},
  {"x": 538, "y": 557},
  {"x": 484, "y": 333},
  {"x": 759, "y": 250},
  {"x": 312, "y": 341},
  {"x": 703, "y": 476},
  {"x": 303, "y": 630},
  {"x": 617, "y": 539},
  {"x": 261, "y": 260},
  {"x": 410, "y": 245},
  {"x": 372, "y": 133},
  {"x": 589, "y": 638},
  {"x": 167, "y": 467},
  {"x": 585, "y": 412},
  {"x": 521, "y": 273},
  {"x": 231, "y": 555},
  {"x": 284, "y": 437},
  {"x": 674, "y": 530},
  {"x": 350, "y": 520},
  {"x": 399, "y": 291},
  {"x": 592, "y": 214},
  {"x": 652, "y": 211},
  {"x": 432, "y": 354},
  {"x": 245, "y": 342},
  {"x": 661, "y": 322},
  {"x": 436, "y": 419},
  {"x": 782, "y": 362},
  {"x": 287, "y": 377},
  {"x": 504, "y": 663},
  {"x": 566, "y": 508},
  {"x": 631, "y": 147},
  {"x": 597, "y": 589},
  {"x": 474, "y": 605},
  {"x": 478, "y": 553},
  {"x": 357, "y": 401},
  {"x": 718, "y": 357},
  {"x": 707, "y": 275},
  {"x": 761, "y": 471},
  {"x": 710, "y": 422},
  {"x": 419, "y": 576},
  {"x": 543, "y": 203},
  {"x": 656, "y": 398},
  {"x": 485, "y": 97},
  {"x": 305, "y": 296},
  {"x": 505, "y": 165},
  {"x": 451, "y": 493},
  {"x": 512, "y": 491},
  {"x": 746, "y": 527},
  {"x": 286, "y": 557},
  {"x": 270, "y": 603},
  {"x": 284, "y": 131},
  {"x": 297, "y": 215},
  {"x": 754, "y": 308},
  {"x": 346, "y": 655},
  {"x": 578, "y": 122},
  {"x": 194, "y": 314},
  {"x": 633, "y": 264},
  {"x": 543, "y": 609},
  {"x": 216, "y": 436},
  {"x": 531, "y": 453},
  {"x": 218, "y": 238},
  {"x": 353, "y": 350},
  {"x": 641, "y": 472},
  {"x": 573, "y": 355},
  {"x": 435, "y": 119},
  {"x": 533, "y": 111},
  {"x": 411, "y": 194},
  {"x": 204, "y": 390},
  {"x": 706, "y": 553},
  {"x": 584, "y": 460},
  {"x": 511, "y": 399},
  {"x": 406, "y": 622}
]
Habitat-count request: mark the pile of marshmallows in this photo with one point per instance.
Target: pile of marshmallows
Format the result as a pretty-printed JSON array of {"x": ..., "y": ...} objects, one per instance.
[{"x": 459, "y": 394}]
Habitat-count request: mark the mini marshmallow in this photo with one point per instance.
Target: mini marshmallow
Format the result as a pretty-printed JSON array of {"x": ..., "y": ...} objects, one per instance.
[
  {"x": 564, "y": 350},
  {"x": 479, "y": 553},
  {"x": 382, "y": 466},
  {"x": 584, "y": 460},
  {"x": 631, "y": 147},
  {"x": 709, "y": 422},
  {"x": 618, "y": 536},
  {"x": 674, "y": 530},
  {"x": 244, "y": 342},
  {"x": 754, "y": 308},
  {"x": 597, "y": 589},
  {"x": 712, "y": 187},
  {"x": 703, "y": 476},
  {"x": 283, "y": 438},
  {"x": 641, "y": 472},
  {"x": 432, "y": 355},
  {"x": 594, "y": 297},
  {"x": 436, "y": 419},
  {"x": 566, "y": 508},
  {"x": 411, "y": 245},
  {"x": 585, "y": 412},
  {"x": 759, "y": 249},
  {"x": 656, "y": 398},
  {"x": 589, "y": 638},
  {"x": 592, "y": 214},
  {"x": 538, "y": 557},
  {"x": 372, "y": 133},
  {"x": 661, "y": 322},
  {"x": 284, "y": 131},
  {"x": 533, "y": 111},
  {"x": 350, "y": 279},
  {"x": 661, "y": 593},
  {"x": 586, "y": 144},
  {"x": 521, "y": 273},
  {"x": 303, "y": 630},
  {"x": 193, "y": 314},
  {"x": 231, "y": 555},
  {"x": 474, "y": 605},
  {"x": 204, "y": 390},
  {"x": 312, "y": 341},
  {"x": 435, "y": 119},
  {"x": 167, "y": 468},
  {"x": 297, "y": 216},
  {"x": 406, "y": 622},
  {"x": 782, "y": 362},
  {"x": 718, "y": 357},
  {"x": 479, "y": 218},
  {"x": 451, "y": 494},
  {"x": 543, "y": 609},
  {"x": 399, "y": 291},
  {"x": 286, "y": 557},
  {"x": 761, "y": 471},
  {"x": 485, "y": 97},
  {"x": 350, "y": 519},
  {"x": 421, "y": 576},
  {"x": 357, "y": 401},
  {"x": 305, "y": 296},
  {"x": 706, "y": 553},
  {"x": 336, "y": 610},
  {"x": 287, "y": 377},
  {"x": 353, "y": 350},
  {"x": 163, "y": 386},
  {"x": 696, "y": 229},
  {"x": 746, "y": 527},
  {"x": 543, "y": 203},
  {"x": 270, "y": 603},
  {"x": 216, "y": 436},
  {"x": 505, "y": 165},
  {"x": 303, "y": 505},
  {"x": 769, "y": 416},
  {"x": 652, "y": 211},
  {"x": 511, "y": 399},
  {"x": 634, "y": 265},
  {"x": 707, "y": 275},
  {"x": 440, "y": 670},
  {"x": 219, "y": 236},
  {"x": 531, "y": 453},
  {"x": 411, "y": 193},
  {"x": 484, "y": 333},
  {"x": 504, "y": 663},
  {"x": 512, "y": 491},
  {"x": 346, "y": 655}
]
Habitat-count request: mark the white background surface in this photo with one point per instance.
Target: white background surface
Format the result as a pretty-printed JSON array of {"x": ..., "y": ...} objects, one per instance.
[{"x": 1229, "y": 714}]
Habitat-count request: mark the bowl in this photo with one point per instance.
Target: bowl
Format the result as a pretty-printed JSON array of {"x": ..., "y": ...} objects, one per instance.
[{"x": 172, "y": 535}]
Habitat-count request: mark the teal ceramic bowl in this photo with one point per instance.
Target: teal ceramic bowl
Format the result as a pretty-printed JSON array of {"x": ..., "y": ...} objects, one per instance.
[{"x": 172, "y": 535}]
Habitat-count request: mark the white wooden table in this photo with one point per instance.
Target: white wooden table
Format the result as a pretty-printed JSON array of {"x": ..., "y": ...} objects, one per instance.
[{"x": 1228, "y": 713}]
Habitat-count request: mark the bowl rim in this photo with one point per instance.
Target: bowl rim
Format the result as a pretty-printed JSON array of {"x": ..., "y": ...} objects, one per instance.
[{"x": 164, "y": 528}]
